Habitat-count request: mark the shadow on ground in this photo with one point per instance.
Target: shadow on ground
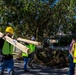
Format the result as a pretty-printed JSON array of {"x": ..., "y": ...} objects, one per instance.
[{"x": 38, "y": 70}]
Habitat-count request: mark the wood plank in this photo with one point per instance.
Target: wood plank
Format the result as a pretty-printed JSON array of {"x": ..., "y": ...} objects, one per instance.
[
  {"x": 16, "y": 44},
  {"x": 29, "y": 41}
]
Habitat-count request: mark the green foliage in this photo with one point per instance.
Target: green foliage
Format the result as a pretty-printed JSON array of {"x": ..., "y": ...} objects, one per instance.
[
  {"x": 64, "y": 40},
  {"x": 53, "y": 58},
  {"x": 37, "y": 17}
]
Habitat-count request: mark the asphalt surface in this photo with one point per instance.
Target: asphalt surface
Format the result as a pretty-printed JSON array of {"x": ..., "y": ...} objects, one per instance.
[{"x": 38, "y": 70}]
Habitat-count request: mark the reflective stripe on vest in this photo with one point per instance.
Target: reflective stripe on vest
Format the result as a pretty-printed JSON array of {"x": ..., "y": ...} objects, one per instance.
[
  {"x": 74, "y": 48},
  {"x": 7, "y": 48}
]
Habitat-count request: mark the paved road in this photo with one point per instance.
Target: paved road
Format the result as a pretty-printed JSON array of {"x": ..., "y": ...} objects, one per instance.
[{"x": 38, "y": 70}]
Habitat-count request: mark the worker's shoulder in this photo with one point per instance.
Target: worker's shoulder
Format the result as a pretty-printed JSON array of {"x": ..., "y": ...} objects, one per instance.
[{"x": 74, "y": 43}]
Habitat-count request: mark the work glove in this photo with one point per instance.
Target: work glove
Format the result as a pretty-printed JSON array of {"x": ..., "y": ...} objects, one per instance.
[{"x": 14, "y": 41}]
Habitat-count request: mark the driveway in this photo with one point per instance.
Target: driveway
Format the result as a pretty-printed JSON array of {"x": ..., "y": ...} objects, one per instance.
[{"x": 38, "y": 70}]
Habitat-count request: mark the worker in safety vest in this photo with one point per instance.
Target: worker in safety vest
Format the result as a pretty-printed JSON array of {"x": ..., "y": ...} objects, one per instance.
[
  {"x": 31, "y": 53},
  {"x": 73, "y": 58},
  {"x": 7, "y": 51},
  {"x": 26, "y": 58}
]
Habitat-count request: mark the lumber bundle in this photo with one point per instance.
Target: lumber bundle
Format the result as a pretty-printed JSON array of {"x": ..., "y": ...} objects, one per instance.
[{"x": 15, "y": 43}]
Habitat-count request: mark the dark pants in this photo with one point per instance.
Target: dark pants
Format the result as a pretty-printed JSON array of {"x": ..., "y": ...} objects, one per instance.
[
  {"x": 31, "y": 58},
  {"x": 8, "y": 64},
  {"x": 71, "y": 66}
]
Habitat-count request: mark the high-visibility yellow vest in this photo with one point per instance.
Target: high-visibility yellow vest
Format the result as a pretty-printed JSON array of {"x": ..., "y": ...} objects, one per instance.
[
  {"x": 32, "y": 48},
  {"x": 7, "y": 48},
  {"x": 25, "y": 54},
  {"x": 74, "y": 48}
]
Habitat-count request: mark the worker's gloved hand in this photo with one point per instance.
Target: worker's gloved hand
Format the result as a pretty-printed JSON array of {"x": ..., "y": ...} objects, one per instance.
[{"x": 14, "y": 41}]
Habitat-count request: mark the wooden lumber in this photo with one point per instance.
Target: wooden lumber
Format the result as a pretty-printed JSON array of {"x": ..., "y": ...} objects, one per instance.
[
  {"x": 29, "y": 41},
  {"x": 53, "y": 41},
  {"x": 16, "y": 44}
]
